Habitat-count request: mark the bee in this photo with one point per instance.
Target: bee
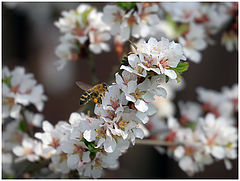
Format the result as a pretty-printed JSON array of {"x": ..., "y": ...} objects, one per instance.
[{"x": 92, "y": 93}]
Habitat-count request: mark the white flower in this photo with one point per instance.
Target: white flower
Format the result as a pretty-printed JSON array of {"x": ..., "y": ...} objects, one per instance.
[
  {"x": 160, "y": 56},
  {"x": 59, "y": 163},
  {"x": 64, "y": 53},
  {"x": 7, "y": 163},
  {"x": 146, "y": 17},
  {"x": 33, "y": 119},
  {"x": 113, "y": 16},
  {"x": 97, "y": 41},
  {"x": 51, "y": 137},
  {"x": 20, "y": 88},
  {"x": 190, "y": 111},
  {"x": 113, "y": 99},
  {"x": 193, "y": 42},
  {"x": 12, "y": 136},
  {"x": 129, "y": 26},
  {"x": 124, "y": 80},
  {"x": 230, "y": 41},
  {"x": 134, "y": 67},
  {"x": 183, "y": 12},
  {"x": 135, "y": 94},
  {"x": 30, "y": 150}
]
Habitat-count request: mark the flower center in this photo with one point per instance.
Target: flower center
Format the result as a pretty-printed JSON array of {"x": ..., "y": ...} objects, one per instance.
[
  {"x": 117, "y": 16},
  {"x": 78, "y": 149},
  {"x": 148, "y": 61},
  {"x": 9, "y": 101},
  {"x": 164, "y": 63},
  {"x": 122, "y": 124},
  {"x": 55, "y": 143},
  {"x": 131, "y": 20},
  {"x": 138, "y": 94},
  {"x": 78, "y": 31},
  {"x": 114, "y": 104},
  {"x": 101, "y": 132}
]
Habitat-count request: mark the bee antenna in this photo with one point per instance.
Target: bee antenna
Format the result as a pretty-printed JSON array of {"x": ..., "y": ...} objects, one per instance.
[{"x": 134, "y": 46}]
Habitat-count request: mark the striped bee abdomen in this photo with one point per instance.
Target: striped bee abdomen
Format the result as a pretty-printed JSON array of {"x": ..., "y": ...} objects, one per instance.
[{"x": 85, "y": 97}]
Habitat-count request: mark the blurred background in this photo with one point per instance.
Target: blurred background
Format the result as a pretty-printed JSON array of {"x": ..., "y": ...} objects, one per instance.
[{"x": 29, "y": 40}]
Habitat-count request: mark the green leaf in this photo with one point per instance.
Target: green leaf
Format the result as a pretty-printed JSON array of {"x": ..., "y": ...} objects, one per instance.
[
  {"x": 78, "y": 45},
  {"x": 9, "y": 176},
  {"x": 172, "y": 23},
  {"x": 22, "y": 126},
  {"x": 90, "y": 145},
  {"x": 85, "y": 15},
  {"x": 7, "y": 80},
  {"x": 167, "y": 78},
  {"x": 191, "y": 125},
  {"x": 182, "y": 67},
  {"x": 126, "y": 5},
  {"x": 182, "y": 29},
  {"x": 92, "y": 155}
]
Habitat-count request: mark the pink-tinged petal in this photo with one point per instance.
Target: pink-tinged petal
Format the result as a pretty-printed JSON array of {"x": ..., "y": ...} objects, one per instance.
[
  {"x": 96, "y": 172},
  {"x": 218, "y": 152},
  {"x": 127, "y": 68},
  {"x": 95, "y": 48},
  {"x": 186, "y": 164},
  {"x": 74, "y": 118},
  {"x": 141, "y": 105},
  {"x": 18, "y": 150},
  {"x": 119, "y": 79},
  {"x": 100, "y": 142},
  {"x": 80, "y": 164},
  {"x": 67, "y": 147},
  {"x": 90, "y": 135},
  {"x": 151, "y": 109},
  {"x": 159, "y": 91},
  {"x": 138, "y": 133},
  {"x": 86, "y": 157},
  {"x": 15, "y": 111},
  {"x": 132, "y": 85},
  {"x": 228, "y": 164},
  {"x": 143, "y": 117},
  {"x": 179, "y": 152},
  {"x": 170, "y": 73},
  {"x": 136, "y": 31},
  {"x": 109, "y": 144},
  {"x": 133, "y": 60},
  {"x": 149, "y": 97},
  {"x": 153, "y": 19},
  {"x": 125, "y": 33},
  {"x": 73, "y": 161},
  {"x": 130, "y": 98}
]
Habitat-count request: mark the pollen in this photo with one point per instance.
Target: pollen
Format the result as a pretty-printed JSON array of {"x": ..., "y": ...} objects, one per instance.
[{"x": 95, "y": 100}]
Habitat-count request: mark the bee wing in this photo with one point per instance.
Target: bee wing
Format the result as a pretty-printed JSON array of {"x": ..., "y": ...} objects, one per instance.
[
  {"x": 133, "y": 45},
  {"x": 83, "y": 85}
]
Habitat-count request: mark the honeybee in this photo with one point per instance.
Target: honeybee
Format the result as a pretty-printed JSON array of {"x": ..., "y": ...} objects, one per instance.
[{"x": 92, "y": 93}]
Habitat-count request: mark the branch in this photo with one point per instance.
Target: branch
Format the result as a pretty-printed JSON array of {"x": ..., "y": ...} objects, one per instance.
[{"x": 149, "y": 142}]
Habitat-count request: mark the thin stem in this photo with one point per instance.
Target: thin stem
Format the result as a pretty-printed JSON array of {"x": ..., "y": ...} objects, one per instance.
[
  {"x": 92, "y": 68},
  {"x": 30, "y": 133},
  {"x": 149, "y": 142}
]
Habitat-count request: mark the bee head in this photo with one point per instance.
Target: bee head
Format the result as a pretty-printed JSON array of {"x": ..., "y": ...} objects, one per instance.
[{"x": 105, "y": 86}]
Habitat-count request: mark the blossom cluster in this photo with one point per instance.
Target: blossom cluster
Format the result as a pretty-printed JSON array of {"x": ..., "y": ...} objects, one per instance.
[
  {"x": 89, "y": 144},
  {"x": 200, "y": 140},
  {"x": 19, "y": 92},
  {"x": 191, "y": 24},
  {"x": 20, "y": 89},
  {"x": 83, "y": 29}
]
